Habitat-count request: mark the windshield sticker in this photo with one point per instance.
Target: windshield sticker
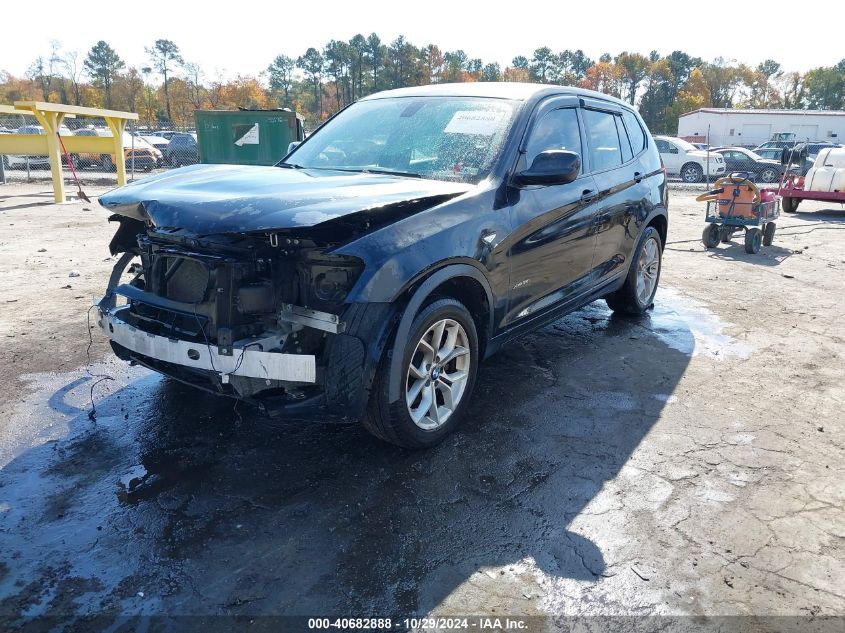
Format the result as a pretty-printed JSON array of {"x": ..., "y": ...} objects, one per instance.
[{"x": 481, "y": 122}]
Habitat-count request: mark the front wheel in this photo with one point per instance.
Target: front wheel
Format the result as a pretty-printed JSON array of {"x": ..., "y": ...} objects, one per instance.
[
  {"x": 753, "y": 240},
  {"x": 711, "y": 236},
  {"x": 692, "y": 172},
  {"x": 437, "y": 375},
  {"x": 637, "y": 293}
]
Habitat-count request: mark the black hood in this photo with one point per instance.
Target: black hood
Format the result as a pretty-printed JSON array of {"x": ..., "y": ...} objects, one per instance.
[{"x": 208, "y": 199}]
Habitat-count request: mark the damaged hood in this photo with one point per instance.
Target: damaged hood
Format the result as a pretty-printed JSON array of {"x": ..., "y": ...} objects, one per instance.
[{"x": 208, "y": 199}]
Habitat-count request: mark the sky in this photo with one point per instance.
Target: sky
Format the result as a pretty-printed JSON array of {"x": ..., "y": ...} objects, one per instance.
[{"x": 231, "y": 38}]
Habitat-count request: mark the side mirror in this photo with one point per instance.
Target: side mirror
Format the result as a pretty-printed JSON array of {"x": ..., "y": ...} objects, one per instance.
[
  {"x": 552, "y": 167},
  {"x": 293, "y": 146},
  {"x": 673, "y": 150}
]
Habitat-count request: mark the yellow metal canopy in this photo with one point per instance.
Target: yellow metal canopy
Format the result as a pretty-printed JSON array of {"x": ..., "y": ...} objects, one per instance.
[{"x": 50, "y": 117}]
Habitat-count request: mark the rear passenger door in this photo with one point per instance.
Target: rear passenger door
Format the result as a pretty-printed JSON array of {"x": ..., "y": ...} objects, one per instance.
[
  {"x": 554, "y": 226},
  {"x": 622, "y": 183},
  {"x": 669, "y": 154}
]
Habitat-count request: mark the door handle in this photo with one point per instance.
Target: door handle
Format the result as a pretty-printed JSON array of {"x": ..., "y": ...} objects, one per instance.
[
  {"x": 587, "y": 195},
  {"x": 638, "y": 177}
]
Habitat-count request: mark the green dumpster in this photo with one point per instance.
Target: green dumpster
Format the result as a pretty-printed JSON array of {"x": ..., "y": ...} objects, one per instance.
[{"x": 246, "y": 137}]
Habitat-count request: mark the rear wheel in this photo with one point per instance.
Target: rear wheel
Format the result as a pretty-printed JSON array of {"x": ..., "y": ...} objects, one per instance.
[
  {"x": 438, "y": 368},
  {"x": 769, "y": 233},
  {"x": 108, "y": 162},
  {"x": 769, "y": 175},
  {"x": 692, "y": 172},
  {"x": 637, "y": 293},
  {"x": 790, "y": 205}
]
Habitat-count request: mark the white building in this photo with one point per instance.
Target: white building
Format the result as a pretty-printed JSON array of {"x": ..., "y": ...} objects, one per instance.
[{"x": 753, "y": 127}]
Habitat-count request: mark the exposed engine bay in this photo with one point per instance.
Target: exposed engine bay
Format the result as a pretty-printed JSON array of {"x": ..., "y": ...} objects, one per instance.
[{"x": 238, "y": 314}]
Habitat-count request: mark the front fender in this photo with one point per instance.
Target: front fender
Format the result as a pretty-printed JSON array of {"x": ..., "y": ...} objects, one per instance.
[{"x": 415, "y": 302}]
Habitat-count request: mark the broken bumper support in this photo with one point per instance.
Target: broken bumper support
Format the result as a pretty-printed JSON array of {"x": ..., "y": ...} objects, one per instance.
[{"x": 245, "y": 361}]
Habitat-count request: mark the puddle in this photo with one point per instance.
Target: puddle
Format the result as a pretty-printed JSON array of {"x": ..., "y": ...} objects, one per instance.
[{"x": 675, "y": 315}]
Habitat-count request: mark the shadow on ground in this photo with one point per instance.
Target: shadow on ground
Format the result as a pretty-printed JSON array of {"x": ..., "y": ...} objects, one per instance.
[{"x": 222, "y": 512}]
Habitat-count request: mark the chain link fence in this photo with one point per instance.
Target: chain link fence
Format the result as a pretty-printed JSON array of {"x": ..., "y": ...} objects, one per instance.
[{"x": 146, "y": 150}]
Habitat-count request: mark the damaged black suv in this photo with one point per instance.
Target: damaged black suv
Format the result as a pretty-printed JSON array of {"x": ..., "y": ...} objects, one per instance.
[{"x": 367, "y": 275}]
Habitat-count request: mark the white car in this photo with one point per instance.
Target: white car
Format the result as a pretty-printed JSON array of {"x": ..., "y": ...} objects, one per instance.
[
  {"x": 13, "y": 161},
  {"x": 687, "y": 161}
]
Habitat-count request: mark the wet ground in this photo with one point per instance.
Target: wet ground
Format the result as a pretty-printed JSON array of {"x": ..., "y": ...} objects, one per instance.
[{"x": 688, "y": 462}]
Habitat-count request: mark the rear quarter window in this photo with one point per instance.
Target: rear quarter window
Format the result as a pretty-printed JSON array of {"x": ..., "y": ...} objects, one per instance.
[{"x": 635, "y": 131}]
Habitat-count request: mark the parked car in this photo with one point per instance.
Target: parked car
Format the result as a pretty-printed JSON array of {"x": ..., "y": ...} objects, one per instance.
[
  {"x": 683, "y": 159},
  {"x": 42, "y": 161},
  {"x": 182, "y": 150},
  {"x": 165, "y": 134},
  {"x": 739, "y": 159},
  {"x": 813, "y": 147},
  {"x": 776, "y": 154},
  {"x": 159, "y": 142},
  {"x": 368, "y": 274},
  {"x": 146, "y": 157}
]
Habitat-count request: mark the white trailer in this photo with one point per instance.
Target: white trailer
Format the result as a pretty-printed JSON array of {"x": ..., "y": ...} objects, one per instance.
[{"x": 753, "y": 127}]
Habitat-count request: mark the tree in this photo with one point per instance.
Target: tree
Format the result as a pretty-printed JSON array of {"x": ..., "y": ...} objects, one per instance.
[
  {"x": 375, "y": 55},
  {"x": 723, "y": 80},
  {"x": 102, "y": 65},
  {"x": 633, "y": 69},
  {"x": 357, "y": 53},
  {"x": 455, "y": 62},
  {"x": 520, "y": 62},
  {"x": 280, "y": 71},
  {"x": 73, "y": 67},
  {"x": 312, "y": 63},
  {"x": 825, "y": 87},
  {"x": 43, "y": 71},
  {"x": 491, "y": 72},
  {"x": 542, "y": 64},
  {"x": 165, "y": 58}
]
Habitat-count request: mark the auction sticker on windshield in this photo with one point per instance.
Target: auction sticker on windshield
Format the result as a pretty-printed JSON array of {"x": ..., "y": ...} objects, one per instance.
[{"x": 481, "y": 122}]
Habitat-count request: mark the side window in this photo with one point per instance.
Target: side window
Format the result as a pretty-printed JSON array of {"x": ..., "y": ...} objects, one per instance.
[
  {"x": 662, "y": 146},
  {"x": 605, "y": 149},
  {"x": 557, "y": 129},
  {"x": 635, "y": 131}
]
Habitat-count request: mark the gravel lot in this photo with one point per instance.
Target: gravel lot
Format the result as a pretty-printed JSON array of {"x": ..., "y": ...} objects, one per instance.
[{"x": 687, "y": 463}]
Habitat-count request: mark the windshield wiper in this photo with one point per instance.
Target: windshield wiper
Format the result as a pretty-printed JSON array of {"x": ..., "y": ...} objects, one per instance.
[
  {"x": 388, "y": 172},
  {"x": 289, "y": 165}
]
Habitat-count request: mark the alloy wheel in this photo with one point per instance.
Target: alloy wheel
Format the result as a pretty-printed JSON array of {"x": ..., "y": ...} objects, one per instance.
[
  {"x": 648, "y": 269},
  {"x": 437, "y": 374}
]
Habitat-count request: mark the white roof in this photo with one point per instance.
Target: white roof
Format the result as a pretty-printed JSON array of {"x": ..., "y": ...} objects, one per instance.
[{"x": 764, "y": 111}]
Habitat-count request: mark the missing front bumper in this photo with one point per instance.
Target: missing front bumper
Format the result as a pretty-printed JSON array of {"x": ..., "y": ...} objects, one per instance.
[{"x": 244, "y": 361}]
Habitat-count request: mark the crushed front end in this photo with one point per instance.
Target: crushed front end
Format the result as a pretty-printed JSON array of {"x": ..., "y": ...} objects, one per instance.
[{"x": 259, "y": 317}]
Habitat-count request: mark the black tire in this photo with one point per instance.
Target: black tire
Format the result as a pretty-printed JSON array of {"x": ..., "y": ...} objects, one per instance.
[
  {"x": 769, "y": 233},
  {"x": 108, "y": 163},
  {"x": 626, "y": 300},
  {"x": 790, "y": 205},
  {"x": 711, "y": 236},
  {"x": 692, "y": 172},
  {"x": 392, "y": 422},
  {"x": 725, "y": 234},
  {"x": 753, "y": 240},
  {"x": 769, "y": 175}
]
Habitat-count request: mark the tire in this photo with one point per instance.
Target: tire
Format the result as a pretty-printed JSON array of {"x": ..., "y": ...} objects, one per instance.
[
  {"x": 637, "y": 293},
  {"x": 769, "y": 175},
  {"x": 753, "y": 240},
  {"x": 725, "y": 234},
  {"x": 790, "y": 205},
  {"x": 414, "y": 424},
  {"x": 711, "y": 236},
  {"x": 769, "y": 233},
  {"x": 692, "y": 172},
  {"x": 107, "y": 162}
]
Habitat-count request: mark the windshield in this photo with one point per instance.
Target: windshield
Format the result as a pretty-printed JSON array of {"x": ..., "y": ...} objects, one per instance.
[{"x": 443, "y": 138}]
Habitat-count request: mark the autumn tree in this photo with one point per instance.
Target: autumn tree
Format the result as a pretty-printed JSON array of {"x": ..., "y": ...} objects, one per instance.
[
  {"x": 825, "y": 87},
  {"x": 102, "y": 65},
  {"x": 633, "y": 69},
  {"x": 165, "y": 58}
]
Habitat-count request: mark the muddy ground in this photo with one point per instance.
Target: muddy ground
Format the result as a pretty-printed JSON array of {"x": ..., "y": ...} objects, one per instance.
[{"x": 686, "y": 463}]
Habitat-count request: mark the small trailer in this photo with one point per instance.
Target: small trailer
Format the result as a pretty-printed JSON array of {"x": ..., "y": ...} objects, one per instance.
[
  {"x": 825, "y": 181},
  {"x": 737, "y": 204}
]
